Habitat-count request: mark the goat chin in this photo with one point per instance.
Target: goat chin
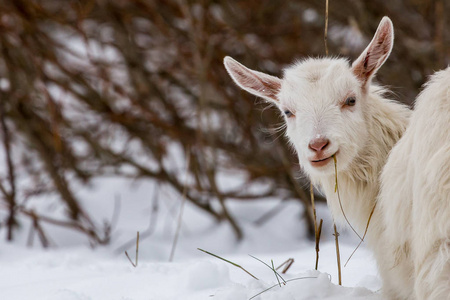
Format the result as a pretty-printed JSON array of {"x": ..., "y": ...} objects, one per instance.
[{"x": 415, "y": 197}]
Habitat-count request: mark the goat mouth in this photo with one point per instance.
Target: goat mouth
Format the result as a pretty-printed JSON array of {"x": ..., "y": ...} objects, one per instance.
[{"x": 321, "y": 162}]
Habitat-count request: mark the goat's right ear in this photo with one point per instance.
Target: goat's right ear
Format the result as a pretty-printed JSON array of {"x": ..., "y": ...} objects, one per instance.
[
  {"x": 374, "y": 56},
  {"x": 254, "y": 82}
]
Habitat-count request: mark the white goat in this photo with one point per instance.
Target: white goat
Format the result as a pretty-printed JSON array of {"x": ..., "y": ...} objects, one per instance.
[
  {"x": 332, "y": 108},
  {"x": 415, "y": 196}
]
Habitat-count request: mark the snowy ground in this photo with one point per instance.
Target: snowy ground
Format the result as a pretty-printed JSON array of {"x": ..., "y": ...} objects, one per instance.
[{"x": 73, "y": 271}]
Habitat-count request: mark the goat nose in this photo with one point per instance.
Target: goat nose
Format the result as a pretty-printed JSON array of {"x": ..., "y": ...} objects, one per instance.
[{"x": 318, "y": 144}]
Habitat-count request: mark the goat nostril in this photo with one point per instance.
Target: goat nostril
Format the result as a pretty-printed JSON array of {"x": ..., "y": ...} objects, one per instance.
[{"x": 319, "y": 144}]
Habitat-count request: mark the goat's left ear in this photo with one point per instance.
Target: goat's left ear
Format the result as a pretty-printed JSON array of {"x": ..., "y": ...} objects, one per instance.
[{"x": 374, "y": 56}]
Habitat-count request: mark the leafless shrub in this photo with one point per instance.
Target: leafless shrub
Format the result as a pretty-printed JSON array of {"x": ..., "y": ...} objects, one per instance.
[{"x": 97, "y": 87}]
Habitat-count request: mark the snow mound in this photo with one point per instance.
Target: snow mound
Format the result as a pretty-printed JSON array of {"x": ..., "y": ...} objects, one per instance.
[{"x": 73, "y": 271}]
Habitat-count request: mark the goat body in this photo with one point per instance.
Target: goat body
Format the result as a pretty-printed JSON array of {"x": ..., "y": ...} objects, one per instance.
[{"x": 415, "y": 196}]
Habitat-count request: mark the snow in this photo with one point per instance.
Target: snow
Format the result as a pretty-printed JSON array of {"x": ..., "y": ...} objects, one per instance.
[{"x": 74, "y": 271}]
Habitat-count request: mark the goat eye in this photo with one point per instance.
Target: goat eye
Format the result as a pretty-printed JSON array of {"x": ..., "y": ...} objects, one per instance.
[
  {"x": 350, "y": 101},
  {"x": 288, "y": 113}
]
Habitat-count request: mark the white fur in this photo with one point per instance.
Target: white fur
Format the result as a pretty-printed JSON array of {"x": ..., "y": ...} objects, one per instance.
[
  {"x": 315, "y": 90},
  {"x": 415, "y": 197}
]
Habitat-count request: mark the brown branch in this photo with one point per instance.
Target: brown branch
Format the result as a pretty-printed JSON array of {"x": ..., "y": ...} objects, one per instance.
[
  {"x": 75, "y": 225},
  {"x": 11, "y": 195}
]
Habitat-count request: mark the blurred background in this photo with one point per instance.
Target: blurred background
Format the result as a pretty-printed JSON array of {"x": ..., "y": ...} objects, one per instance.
[{"x": 136, "y": 90}]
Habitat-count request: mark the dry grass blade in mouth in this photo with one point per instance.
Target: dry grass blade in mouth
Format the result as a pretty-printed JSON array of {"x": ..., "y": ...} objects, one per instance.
[
  {"x": 365, "y": 232},
  {"x": 336, "y": 190}
]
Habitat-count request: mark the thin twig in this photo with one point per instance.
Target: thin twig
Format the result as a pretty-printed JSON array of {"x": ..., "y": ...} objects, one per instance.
[
  {"x": 183, "y": 201},
  {"x": 316, "y": 231},
  {"x": 319, "y": 233},
  {"x": 338, "y": 256},
  {"x": 230, "y": 262},
  {"x": 152, "y": 223},
  {"x": 137, "y": 252},
  {"x": 30, "y": 238},
  {"x": 325, "y": 37},
  {"x": 38, "y": 228},
  {"x": 288, "y": 264},
  {"x": 116, "y": 211}
]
